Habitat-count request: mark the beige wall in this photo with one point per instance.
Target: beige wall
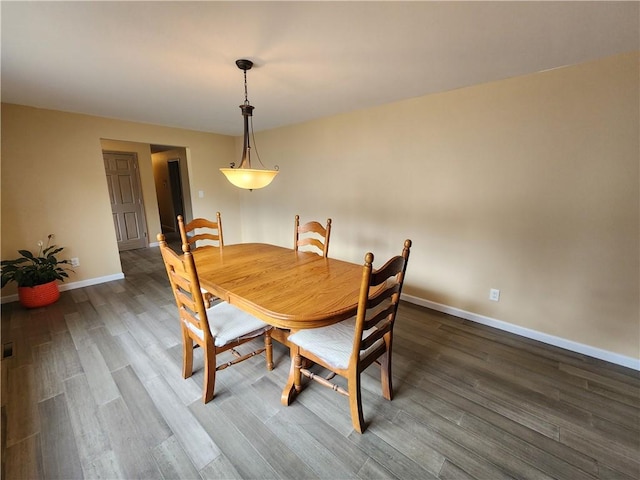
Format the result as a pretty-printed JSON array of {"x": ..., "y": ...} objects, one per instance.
[
  {"x": 53, "y": 180},
  {"x": 529, "y": 185}
]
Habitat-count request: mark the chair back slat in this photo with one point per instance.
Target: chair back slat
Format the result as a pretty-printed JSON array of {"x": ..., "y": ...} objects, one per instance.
[
  {"x": 314, "y": 242},
  {"x": 312, "y": 234},
  {"x": 378, "y": 316},
  {"x": 375, "y": 335},
  {"x": 390, "y": 269}
]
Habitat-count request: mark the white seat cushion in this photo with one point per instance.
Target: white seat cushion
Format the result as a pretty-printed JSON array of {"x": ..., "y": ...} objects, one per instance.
[
  {"x": 333, "y": 344},
  {"x": 228, "y": 323}
]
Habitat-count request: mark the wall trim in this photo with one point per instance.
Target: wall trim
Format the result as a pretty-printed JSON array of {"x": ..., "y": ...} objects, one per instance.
[
  {"x": 73, "y": 285},
  {"x": 570, "y": 345}
]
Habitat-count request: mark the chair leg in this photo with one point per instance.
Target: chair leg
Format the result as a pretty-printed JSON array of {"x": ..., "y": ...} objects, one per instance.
[
  {"x": 385, "y": 372},
  {"x": 355, "y": 403},
  {"x": 297, "y": 376},
  {"x": 268, "y": 350},
  {"x": 187, "y": 354},
  {"x": 209, "y": 372}
]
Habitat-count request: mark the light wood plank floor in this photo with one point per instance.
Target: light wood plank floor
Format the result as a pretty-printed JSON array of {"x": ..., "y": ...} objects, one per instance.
[{"x": 91, "y": 388}]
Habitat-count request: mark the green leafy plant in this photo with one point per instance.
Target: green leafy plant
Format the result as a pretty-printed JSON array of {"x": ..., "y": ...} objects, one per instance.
[{"x": 30, "y": 270}]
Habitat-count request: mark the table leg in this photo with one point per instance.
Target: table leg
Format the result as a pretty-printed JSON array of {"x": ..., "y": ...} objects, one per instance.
[{"x": 293, "y": 386}]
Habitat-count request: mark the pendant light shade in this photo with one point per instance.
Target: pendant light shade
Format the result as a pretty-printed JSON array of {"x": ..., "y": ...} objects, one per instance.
[
  {"x": 249, "y": 178},
  {"x": 244, "y": 176}
]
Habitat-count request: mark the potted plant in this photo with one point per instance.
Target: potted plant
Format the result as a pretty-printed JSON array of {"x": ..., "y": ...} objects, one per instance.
[{"x": 36, "y": 275}]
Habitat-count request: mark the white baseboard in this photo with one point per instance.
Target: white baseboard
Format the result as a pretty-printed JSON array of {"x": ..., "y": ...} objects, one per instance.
[
  {"x": 73, "y": 285},
  {"x": 570, "y": 345}
]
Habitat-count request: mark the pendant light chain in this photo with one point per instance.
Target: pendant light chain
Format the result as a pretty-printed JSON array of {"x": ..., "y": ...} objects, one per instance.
[
  {"x": 246, "y": 102},
  {"x": 246, "y": 96}
]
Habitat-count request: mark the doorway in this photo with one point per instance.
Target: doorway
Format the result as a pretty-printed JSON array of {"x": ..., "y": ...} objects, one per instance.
[
  {"x": 171, "y": 178},
  {"x": 175, "y": 183}
]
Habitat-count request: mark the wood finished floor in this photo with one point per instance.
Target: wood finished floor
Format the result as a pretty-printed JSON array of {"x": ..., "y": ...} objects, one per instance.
[{"x": 93, "y": 390}]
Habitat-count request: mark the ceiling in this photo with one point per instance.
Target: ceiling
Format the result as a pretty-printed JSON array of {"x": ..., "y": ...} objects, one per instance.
[{"x": 173, "y": 63}]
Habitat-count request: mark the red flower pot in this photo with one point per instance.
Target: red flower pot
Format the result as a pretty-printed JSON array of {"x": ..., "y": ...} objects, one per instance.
[{"x": 39, "y": 296}]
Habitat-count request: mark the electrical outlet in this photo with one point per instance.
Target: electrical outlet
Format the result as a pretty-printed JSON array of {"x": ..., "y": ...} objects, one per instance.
[
  {"x": 494, "y": 294},
  {"x": 75, "y": 262}
]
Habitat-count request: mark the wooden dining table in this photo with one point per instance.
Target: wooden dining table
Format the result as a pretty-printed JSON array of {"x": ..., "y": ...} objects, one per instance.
[{"x": 284, "y": 288}]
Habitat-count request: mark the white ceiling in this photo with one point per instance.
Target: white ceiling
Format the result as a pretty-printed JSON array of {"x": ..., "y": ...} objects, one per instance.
[{"x": 173, "y": 63}]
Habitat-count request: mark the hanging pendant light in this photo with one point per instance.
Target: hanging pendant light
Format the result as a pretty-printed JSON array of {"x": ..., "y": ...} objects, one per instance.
[{"x": 244, "y": 176}]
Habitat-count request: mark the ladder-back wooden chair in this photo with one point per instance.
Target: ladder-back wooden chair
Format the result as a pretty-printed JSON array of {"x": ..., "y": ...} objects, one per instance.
[
  {"x": 216, "y": 329},
  {"x": 349, "y": 347},
  {"x": 202, "y": 233},
  {"x": 312, "y": 234}
]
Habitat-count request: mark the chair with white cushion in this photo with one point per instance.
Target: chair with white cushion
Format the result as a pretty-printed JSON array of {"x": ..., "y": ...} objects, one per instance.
[
  {"x": 349, "y": 347},
  {"x": 216, "y": 329}
]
